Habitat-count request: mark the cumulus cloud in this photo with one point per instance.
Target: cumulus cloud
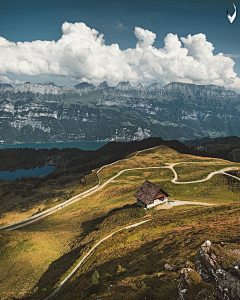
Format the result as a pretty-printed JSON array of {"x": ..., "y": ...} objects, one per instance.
[
  {"x": 81, "y": 54},
  {"x": 145, "y": 38},
  {"x": 5, "y": 79}
]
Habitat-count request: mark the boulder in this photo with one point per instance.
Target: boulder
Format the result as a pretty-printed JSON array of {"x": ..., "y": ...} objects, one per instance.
[
  {"x": 209, "y": 280},
  {"x": 192, "y": 287},
  {"x": 168, "y": 267},
  {"x": 206, "y": 262}
]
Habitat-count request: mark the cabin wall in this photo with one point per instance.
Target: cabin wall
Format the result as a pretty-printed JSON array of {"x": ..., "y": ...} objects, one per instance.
[
  {"x": 156, "y": 202},
  {"x": 140, "y": 203}
]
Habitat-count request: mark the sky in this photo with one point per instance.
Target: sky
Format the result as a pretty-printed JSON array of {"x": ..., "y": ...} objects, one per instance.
[{"x": 68, "y": 42}]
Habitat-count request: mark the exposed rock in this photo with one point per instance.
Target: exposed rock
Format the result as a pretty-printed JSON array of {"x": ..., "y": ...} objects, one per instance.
[
  {"x": 124, "y": 86},
  {"x": 234, "y": 269},
  {"x": 227, "y": 286},
  {"x": 141, "y": 134},
  {"x": 191, "y": 286},
  {"x": 38, "y": 88},
  {"x": 185, "y": 282},
  {"x": 139, "y": 87},
  {"x": 154, "y": 87},
  {"x": 206, "y": 262},
  {"x": 209, "y": 281},
  {"x": 46, "y": 112},
  {"x": 168, "y": 267},
  {"x": 203, "y": 90},
  {"x": 104, "y": 85},
  {"x": 84, "y": 86}
]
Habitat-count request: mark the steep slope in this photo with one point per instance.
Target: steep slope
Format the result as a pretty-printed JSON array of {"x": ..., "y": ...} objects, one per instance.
[
  {"x": 46, "y": 112},
  {"x": 35, "y": 258}
]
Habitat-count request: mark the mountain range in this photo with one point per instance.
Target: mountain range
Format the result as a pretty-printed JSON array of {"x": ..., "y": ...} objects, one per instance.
[{"x": 47, "y": 112}]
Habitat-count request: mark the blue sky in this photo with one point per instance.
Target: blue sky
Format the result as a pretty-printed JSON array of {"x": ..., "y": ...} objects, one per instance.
[{"x": 30, "y": 20}]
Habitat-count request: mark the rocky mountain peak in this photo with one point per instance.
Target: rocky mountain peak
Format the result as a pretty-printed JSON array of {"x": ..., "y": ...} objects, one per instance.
[
  {"x": 84, "y": 86},
  {"x": 180, "y": 86},
  {"x": 179, "y": 111},
  {"x": 4, "y": 87},
  {"x": 104, "y": 85},
  {"x": 50, "y": 83},
  {"x": 124, "y": 86},
  {"x": 38, "y": 88},
  {"x": 154, "y": 87},
  {"x": 198, "y": 89},
  {"x": 139, "y": 87}
]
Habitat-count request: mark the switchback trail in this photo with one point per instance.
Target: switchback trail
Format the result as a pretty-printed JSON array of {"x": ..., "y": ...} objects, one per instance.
[{"x": 98, "y": 187}]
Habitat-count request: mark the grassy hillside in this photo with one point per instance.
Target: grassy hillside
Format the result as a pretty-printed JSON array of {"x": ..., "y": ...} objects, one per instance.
[
  {"x": 35, "y": 258},
  {"x": 131, "y": 264}
]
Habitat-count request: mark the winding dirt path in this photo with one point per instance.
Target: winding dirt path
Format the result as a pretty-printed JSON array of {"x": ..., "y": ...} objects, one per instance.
[
  {"x": 172, "y": 203},
  {"x": 222, "y": 171},
  {"x": 87, "y": 255},
  {"x": 163, "y": 206},
  {"x": 98, "y": 187}
]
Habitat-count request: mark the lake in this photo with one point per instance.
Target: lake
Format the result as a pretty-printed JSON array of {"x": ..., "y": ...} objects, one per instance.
[
  {"x": 45, "y": 170},
  {"x": 33, "y": 172},
  {"x": 60, "y": 145}
]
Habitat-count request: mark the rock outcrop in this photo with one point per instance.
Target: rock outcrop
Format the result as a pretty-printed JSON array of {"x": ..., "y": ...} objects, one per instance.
[
  {"x": 206, "y": 262},
  {"x": 209, "y": 280},
  {"x": 191, "y": 286},
  {"x": 47, "y": 113}
]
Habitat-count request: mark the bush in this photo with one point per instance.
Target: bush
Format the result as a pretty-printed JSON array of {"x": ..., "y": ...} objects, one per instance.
[
  {"x": 120, "y": 269},
  {"x": 95, "y": 278},
  {"x": 95, "y": 282}
]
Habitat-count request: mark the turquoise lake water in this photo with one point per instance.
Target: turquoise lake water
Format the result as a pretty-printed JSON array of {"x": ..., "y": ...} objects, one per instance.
[
  {"x": 34, "y": 172},
  {"x": 60, "y": 145},
  {"x": 45, "y": 170}
]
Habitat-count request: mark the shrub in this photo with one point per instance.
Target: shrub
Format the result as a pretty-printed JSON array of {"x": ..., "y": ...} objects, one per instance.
[
  {"x": 95, "y": 278},
  {"x": 95, "y": 282}
]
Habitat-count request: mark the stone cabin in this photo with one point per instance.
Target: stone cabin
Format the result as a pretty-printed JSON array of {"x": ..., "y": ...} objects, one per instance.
[{"x": 149, "y": 194}]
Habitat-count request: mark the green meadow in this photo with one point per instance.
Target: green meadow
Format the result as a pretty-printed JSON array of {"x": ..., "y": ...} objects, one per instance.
[{"x": 35, "y": 258}]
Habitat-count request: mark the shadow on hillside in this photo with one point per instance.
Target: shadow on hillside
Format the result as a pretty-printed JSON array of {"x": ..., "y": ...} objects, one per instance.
[
  {"x": 92, "y": 225},
  {"x": 53, "y": 274},
  {"x": 132, "y": 266},
  {"x": 142, "y": 273},
  {"x": 59, "y": 267},
  {"x": 146, "y": 259}
]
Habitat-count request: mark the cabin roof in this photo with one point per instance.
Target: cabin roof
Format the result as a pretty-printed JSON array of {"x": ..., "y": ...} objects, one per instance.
[{"x": 148, "y": 191}]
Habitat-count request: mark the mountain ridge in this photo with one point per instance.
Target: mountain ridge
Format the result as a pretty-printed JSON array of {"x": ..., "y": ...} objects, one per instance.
[
  {"x": 46, "y": 112},
  {"x": 49, "y": 87}
]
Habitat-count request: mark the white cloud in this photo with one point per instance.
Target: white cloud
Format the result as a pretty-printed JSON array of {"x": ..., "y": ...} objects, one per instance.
[
  {"x": 145, "y": 38},
  {"x": 121, "y": 26},
  {"x": 233, "y": 55},
  {"x": 81, "y": 54},
  {"x": 5, "y": 79}
]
